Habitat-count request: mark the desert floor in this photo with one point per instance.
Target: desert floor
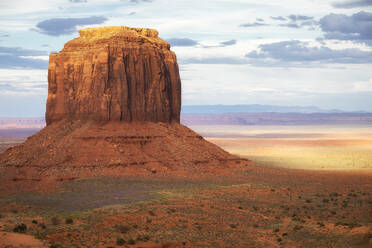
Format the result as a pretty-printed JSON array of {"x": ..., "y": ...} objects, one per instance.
[
  {"x": 260, "y": 204},
  {"x": 301, "y": 147}
]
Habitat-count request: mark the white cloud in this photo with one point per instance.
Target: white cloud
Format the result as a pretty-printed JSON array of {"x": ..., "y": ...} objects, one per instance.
[
  {"x": 363, "y": 86},
  {"x": 23, "y": 82}
]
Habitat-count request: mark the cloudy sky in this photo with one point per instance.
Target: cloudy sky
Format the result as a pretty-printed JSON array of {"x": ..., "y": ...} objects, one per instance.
[{"x": 279, "y": 52}]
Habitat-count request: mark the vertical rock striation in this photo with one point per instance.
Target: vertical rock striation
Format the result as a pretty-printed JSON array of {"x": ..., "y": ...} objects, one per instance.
[{"x": 114, "y": 74}]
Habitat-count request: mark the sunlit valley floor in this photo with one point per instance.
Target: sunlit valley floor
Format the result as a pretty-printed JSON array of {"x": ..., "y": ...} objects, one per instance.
[{"x": 303, "y": 147}]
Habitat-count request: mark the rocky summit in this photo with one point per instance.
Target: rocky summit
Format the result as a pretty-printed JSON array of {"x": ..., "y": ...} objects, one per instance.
[{"x": 113, "y": 108}]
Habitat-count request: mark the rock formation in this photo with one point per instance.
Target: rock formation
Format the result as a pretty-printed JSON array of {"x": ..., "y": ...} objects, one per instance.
[
  {"x": 113, "y": 108},
  {"x": 114, "y": 73}
]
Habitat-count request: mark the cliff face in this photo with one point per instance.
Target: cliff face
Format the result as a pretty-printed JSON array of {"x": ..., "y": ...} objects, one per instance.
[{"x": 114, "y": 73}]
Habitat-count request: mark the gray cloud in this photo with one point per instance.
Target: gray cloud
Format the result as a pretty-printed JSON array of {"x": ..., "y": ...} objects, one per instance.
[
  {"x": 8, "y": 62},
  {"x": 290, "y": 25},
  {"x": 63, "y": 26},
  {"x": 294, "y": 21},
  {"x": 278, "y": 18},
  {"x": 310, "y": 23},
  {"x": 342, "y": 27},
  {"x": 297, "y": 51},
  {"x": 18, "y": 51},
  {"x": 182, "y": 42},
  {"x": 221, "y": 44},
  {"x": 228, "y": 43},
  {"x": 254, "y": 24},
  {"x": 214, "y": 60},
  {"x": 138, "y": 1},
  {"x": 9, "y": 87},
  {"x": 300, "y": 18},
  {"x": 16, "y": 57},
  {"x": 352, "y": 4}
]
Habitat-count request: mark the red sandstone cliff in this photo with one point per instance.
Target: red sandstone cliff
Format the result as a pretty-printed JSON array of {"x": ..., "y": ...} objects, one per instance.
[
  {"x": 114, "y": 73},
  {"x": 113, "y": 109}
]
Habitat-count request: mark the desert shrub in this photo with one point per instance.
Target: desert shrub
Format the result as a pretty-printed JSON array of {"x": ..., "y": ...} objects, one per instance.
[
  {"x": 42, "y": 225},
  {"x": 350, "y": 225},
  {"x": 120, "y": 241},
  {"x": 297, "y": 227},
  {"x": 321, "y": 224},
  {"x": 34, "y": 222},
  {"x": 276, "y": 230},
  {"x": 131, "y": 242},
  {"x": 69, "y": 221},
  {"x": 151, "y": 213},
  {"x": 123, "y": 229},
  {"x": 171, "y": 210},
  {"x": 308, "y": 201},
  {"x": 55, "y": 246},
  {"x": 233, "y": 225},
  {"x": 55, "y": 221},
  {"x": 22, "y": 228},
  {"x": 143, "y": 238},
  {"x": 325, "y": 200},
  {"x": 279, "y": 240},
  {"x": 146, "y": 238}
]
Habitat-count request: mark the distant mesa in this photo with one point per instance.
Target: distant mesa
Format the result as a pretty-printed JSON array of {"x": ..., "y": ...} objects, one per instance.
[{"x": 113, "y": 108}]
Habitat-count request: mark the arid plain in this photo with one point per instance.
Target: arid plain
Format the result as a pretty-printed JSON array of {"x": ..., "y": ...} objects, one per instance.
[
  {"x": 320, "y": 147},
  {"x": 324, "y": 200}
]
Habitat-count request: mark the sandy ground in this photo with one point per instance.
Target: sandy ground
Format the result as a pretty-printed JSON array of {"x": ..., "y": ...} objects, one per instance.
[
  {"x": 9, "y": 240},
  {"x": 301, "y": 147}
]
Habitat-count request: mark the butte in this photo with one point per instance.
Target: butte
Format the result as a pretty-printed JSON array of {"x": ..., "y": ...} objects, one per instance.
[{"x": 113, "y": 108}]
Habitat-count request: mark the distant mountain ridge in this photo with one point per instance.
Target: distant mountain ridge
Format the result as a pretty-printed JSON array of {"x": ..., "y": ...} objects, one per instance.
[
  {"x": 255, "y": 114},
  {"x": 255, "y": 108}
]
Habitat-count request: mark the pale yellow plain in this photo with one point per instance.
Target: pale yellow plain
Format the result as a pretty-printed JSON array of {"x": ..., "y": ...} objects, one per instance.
[{"x": 300, "y": 147}]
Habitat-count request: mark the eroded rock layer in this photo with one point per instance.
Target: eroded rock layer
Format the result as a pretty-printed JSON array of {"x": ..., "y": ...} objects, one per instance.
[
  {"x": 114, "y": 74},
  {"x": 69, "y": 150}
]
